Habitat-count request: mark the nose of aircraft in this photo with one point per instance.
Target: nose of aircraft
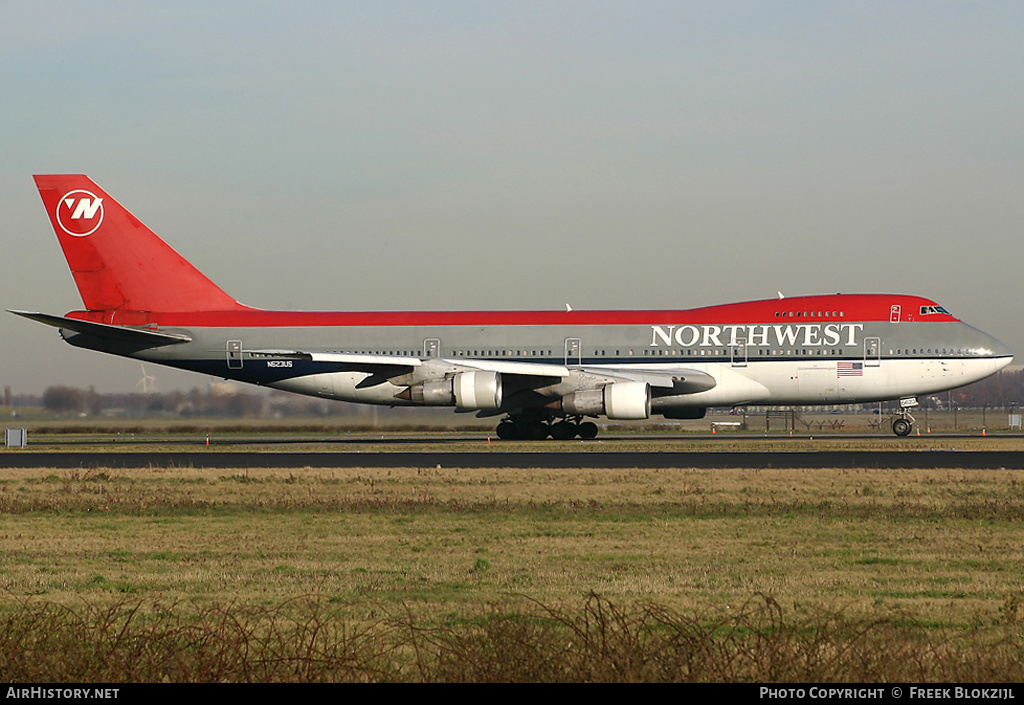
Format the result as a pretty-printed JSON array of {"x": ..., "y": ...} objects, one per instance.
[
  {"x": 988, "y": 353},
  {"x": 1004, "y": 353},
  {"x": 990, "y": 347},
  {"x": 998, "y": 348}
]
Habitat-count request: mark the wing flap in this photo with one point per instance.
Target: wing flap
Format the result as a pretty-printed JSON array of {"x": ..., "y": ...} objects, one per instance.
[{"x": 126, "y": 334}]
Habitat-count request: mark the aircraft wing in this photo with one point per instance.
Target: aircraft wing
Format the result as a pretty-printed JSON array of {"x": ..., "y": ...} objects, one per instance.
[
  {"x": 507, "y": 367},
  {"x": 354, "y": 361},
  {"x": 680, "y": 380},
  {"x": 124, "y": 334},
  {"x": 364, "y": 361}
]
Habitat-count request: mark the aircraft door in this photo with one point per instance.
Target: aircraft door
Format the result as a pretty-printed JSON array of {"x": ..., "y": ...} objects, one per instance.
[
  {"x": 432, "y": 347},
  {"x": 872, "y": 352},
  {"x": 234, "y": 354},
  {"x": 573, "y": 351},
  {"x": 738, "y": 352}
]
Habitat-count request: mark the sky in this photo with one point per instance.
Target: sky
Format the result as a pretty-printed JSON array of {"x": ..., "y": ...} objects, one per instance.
[{"x": 410, "y": 155}]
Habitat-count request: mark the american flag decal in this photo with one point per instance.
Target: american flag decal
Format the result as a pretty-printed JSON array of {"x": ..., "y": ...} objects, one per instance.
[{"x": 849, "y": 369}]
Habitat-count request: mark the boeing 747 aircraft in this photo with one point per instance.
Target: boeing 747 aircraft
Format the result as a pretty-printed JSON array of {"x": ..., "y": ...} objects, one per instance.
[{"x": 545, "y": 372}]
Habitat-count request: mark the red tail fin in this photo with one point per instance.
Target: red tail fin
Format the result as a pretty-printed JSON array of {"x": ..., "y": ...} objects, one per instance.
[{"x": 120, "y": 266}]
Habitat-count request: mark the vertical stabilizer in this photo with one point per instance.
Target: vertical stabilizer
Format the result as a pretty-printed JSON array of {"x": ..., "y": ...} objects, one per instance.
[{"x": 121, "y": 267}]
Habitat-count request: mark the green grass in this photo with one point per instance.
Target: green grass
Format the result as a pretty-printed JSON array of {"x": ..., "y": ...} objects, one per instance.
[{"x": 924, "y": 569}]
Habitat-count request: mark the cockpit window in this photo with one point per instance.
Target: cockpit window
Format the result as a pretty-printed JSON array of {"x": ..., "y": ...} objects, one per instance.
[{"x": 925, "y": 310}]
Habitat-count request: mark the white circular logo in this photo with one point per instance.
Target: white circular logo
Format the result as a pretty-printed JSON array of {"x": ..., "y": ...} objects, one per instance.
[{"x": 79, "y": 212}]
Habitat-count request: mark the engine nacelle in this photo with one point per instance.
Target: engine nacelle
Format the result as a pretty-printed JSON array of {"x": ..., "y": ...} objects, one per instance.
[
  {"x": 434, "y": 392},
  {"x": 627, "y": 400},
  {"x": 620, "y": 400},
  {"x": 477, "y": 390},
  {"x": 588, "y": 403},
  {"x": 465, "y": 390}
]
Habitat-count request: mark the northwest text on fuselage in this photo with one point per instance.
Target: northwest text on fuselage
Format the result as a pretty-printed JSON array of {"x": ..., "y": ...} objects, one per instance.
[{"x": 757, "y": 335}]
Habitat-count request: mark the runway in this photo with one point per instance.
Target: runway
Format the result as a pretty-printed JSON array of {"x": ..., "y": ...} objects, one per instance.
[{"x": 896, "y": 460}]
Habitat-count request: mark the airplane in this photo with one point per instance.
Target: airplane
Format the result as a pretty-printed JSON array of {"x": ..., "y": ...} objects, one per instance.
[{"x": 544, "y": 372}]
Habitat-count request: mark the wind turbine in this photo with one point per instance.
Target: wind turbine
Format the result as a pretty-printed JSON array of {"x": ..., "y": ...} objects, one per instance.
[{"x": 147, "y": 385}]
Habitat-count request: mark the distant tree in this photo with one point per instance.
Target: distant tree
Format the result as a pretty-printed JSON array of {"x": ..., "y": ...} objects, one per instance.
[
  {"x": 93, "y": 401},
  {"x": 1005, "y": 389},
  {"x": 64, "y": 400}
]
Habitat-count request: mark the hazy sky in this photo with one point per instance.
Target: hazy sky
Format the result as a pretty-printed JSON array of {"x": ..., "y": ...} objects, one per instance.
[{"x": 519, "y": 155}]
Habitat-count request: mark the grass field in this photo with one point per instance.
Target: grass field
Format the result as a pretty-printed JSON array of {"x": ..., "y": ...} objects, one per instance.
[{"x": 445, "y": 574}]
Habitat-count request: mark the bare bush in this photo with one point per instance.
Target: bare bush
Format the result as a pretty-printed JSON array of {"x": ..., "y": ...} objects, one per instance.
[{"x": 306, "y": 641}]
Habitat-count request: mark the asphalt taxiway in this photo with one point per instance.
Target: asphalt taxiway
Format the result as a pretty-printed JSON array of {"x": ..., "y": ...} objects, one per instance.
[
  {"x": 909, "y": 459},
  {"x": 471, "y": 450}
]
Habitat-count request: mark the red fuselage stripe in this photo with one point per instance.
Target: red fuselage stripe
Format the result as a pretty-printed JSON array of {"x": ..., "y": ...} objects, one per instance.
[{"x": 836, "y": 308}]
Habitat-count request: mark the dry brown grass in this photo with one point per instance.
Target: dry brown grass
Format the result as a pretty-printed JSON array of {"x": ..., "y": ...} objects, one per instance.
[
  {"x": 594, "y": 640},
  {"x": 926, "y": 562}
]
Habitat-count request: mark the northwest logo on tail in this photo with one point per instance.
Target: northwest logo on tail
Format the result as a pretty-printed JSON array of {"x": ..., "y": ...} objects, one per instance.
[{"x": 79, "y": 213}]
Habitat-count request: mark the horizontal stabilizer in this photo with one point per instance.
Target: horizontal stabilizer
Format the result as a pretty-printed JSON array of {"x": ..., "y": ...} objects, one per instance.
[{"x": 126, "y": 334}]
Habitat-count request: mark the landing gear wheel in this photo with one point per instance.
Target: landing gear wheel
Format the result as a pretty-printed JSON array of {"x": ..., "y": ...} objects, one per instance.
[
  {"x": 588, "y": 430},
  {"x": 901, "y": 427},
  {"x": 520, "y": 429},
  {"x": 563, "y": 431},
  {"x": 507, "y": 431},
  {"x": 534, "y": 431}
]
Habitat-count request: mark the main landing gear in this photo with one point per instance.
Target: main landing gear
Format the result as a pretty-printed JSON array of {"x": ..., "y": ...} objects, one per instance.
[{"x": 526, "y": 428}]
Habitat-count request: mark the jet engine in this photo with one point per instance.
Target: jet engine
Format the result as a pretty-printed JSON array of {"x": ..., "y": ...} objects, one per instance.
[
  {"x": 477, "y": 390},
  {"x": 620, "y": 400},
  {"x": 465, "y": 390}
]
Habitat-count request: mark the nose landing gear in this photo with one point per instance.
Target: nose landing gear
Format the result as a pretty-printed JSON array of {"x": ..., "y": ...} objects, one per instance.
[
  {"x": 902, "y": 426},
  {"x": 904, "y": 421}
]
